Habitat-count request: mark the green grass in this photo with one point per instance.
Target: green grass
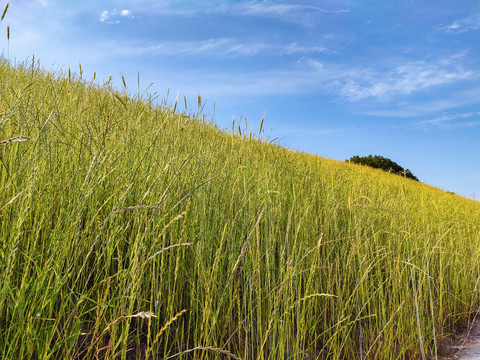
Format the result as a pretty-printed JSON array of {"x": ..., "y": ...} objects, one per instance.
[{"x": 131, "y": 231}]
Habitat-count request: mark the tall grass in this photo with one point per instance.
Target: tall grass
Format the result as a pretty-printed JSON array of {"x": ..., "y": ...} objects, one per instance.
[{"x": 131, "y": 231}]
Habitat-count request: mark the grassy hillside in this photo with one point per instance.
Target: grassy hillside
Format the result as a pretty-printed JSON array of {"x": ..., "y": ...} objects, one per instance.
[{"x": 129, "y": 231}]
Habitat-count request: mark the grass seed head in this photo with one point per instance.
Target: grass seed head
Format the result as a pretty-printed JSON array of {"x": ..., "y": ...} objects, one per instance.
[{"x": 5, "y": 11}]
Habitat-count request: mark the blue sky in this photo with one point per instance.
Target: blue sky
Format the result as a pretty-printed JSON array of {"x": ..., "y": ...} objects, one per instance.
[{"x": 338, "y": 78}]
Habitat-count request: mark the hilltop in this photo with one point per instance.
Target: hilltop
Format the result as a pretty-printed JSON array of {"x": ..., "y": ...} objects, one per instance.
[{"x": 130, "y": 230}]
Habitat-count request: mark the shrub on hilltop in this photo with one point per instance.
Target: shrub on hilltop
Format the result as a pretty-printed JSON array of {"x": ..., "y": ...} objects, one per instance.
[{"x": 379, "y": 162}]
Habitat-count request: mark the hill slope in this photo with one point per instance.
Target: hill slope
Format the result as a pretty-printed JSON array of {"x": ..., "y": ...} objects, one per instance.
[{"x": 131, "y": 231}]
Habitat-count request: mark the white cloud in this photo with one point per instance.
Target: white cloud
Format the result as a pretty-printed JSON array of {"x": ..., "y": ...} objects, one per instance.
[
  {"x": 425, "y": 108},
  {"x": 463, "y": 25},
  {"x": 112, "y": 17},
  {"x": 268, "y": 9},
  {"x": 215, "y": 48},
  {"x": 415, "y": 76},
  {"x": 450, "y": 121},
  {"x": 294, "y": 48},
  {"x": 315, "y": 65},
  {"x": 389, "y": 82},
  {"x": 104, "y": 16},
  {"x": 302, "y": 14}
]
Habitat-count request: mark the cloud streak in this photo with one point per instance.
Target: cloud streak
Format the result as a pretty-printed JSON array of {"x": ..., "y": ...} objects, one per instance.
[
  {"x": 360, "y": 84},
  {"x": 415, "y": 76},
  {"x": 449, "y": 121},
  {"x": 463, "y": 25},
  {"x": 304, "y": 14},
  {"x": 343, "y": 83},
  {"x": 406, "y": 109},
  {"x": 222, "y": 47},
  {"x": 269, "y": 9}
]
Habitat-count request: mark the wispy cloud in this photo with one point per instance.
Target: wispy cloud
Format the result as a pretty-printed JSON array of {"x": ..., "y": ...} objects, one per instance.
[
  {"x": 294, "y": 48},
  {"x": 415, "y": 76},
  {"x": 449, "y": 121},
  {"x": 215, "y": 48},
  {"x": 463, "y": 25},
  {"x": 272, "y": 9},
  {"x": 113, "y": 16},
  {"x": 282, "y": 11},
  {"x": 303, "y": 15},
  {"x": 371, "y": 87},
  {"x": 418, "y": 108}
]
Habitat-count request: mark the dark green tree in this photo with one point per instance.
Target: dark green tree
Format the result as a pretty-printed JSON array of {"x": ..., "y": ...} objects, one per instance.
[{"x": 379, "y": 162}]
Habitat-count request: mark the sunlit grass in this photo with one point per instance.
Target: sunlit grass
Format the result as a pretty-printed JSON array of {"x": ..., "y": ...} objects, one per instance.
[{"x": 130, "y": 230}]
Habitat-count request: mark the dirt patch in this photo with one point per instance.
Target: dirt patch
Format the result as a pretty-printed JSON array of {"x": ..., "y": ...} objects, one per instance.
[{"x": 464, "y": 345}]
